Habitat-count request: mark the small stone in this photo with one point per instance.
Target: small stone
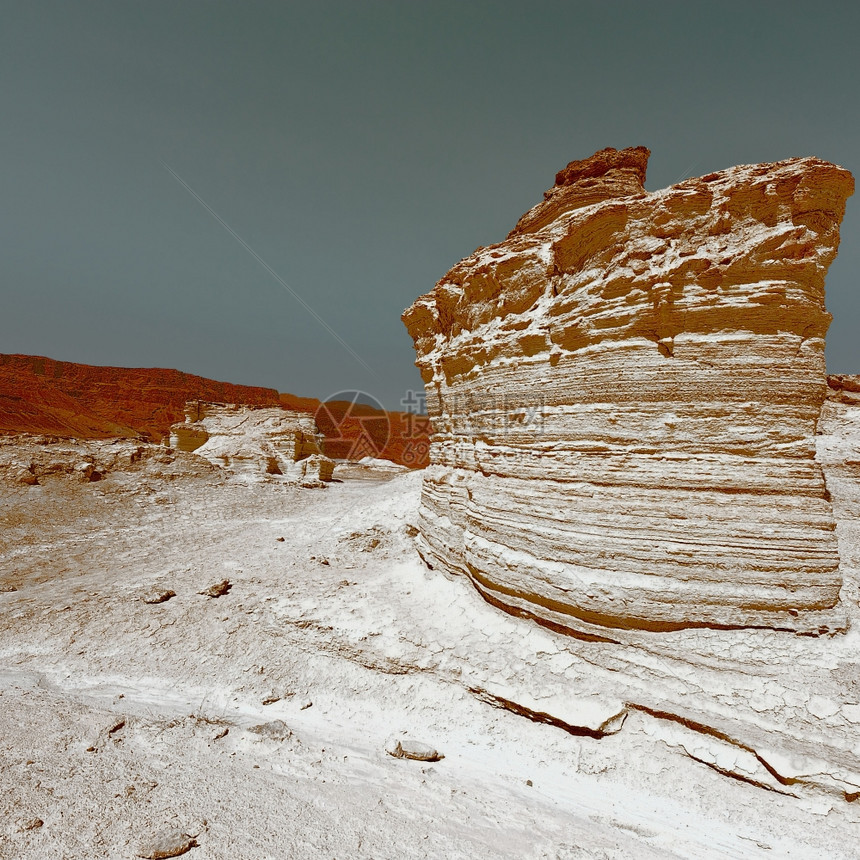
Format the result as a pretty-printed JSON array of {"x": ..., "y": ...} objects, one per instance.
[
  {"x": 275, "y": 730},
  {"x": 221, "y": 733},
  {"x": 85, "y": 471},
  {"x": 851, "y": 713},
  {"x": 30, "y": 824},
  {"x": 167, "y": 844},
  {"x": 307, "y": 703},
  {"x": 279, "y": 540},
  {"x": 218, "y": 589},
  {"x": 26, "y": 476},
  {"x": 415, "y": 750},
  {"x": 271, "y": 698},
  {"x": 529, "y": 783},
  {"x": 821, "y": 707},
  {"x": 160, "y": 595}
]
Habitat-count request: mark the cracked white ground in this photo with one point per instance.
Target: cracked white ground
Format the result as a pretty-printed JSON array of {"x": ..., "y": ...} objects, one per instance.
[{"x": 341, "y": 613}]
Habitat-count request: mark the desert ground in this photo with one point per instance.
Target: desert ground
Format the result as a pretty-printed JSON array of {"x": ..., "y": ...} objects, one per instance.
[{"x": 254, "y": 724}]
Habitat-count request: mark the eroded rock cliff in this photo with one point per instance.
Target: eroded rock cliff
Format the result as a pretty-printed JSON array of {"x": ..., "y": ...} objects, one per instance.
[
  {"x": 254, "y": 440},
  {"x": 42, "y": 396},
  {"x": 625, "y": 395},
  {"x": 39, "y": 395}
]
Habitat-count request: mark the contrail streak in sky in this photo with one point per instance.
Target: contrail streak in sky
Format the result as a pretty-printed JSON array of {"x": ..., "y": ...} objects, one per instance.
[{"x": 268, "y": 268}]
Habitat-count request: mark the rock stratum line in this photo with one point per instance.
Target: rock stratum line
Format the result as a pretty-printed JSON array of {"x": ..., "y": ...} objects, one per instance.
[{"x": 625, "y": 394}]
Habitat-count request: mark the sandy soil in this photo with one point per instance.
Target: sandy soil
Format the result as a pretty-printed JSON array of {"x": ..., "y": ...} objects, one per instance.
[{"x": 113, "y": 710}]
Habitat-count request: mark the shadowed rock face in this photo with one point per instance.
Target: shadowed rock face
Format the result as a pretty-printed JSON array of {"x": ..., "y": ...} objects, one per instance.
[{"x": 625, "y": 393}]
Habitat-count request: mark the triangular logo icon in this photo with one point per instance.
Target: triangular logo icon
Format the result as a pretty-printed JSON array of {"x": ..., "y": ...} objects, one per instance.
[{"x": 363, "y": 447}]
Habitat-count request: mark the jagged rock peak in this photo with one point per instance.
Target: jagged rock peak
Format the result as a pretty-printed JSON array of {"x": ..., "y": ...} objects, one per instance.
[
  {"x": 634, "y": 159},
  {"x": 606, "y": 174}
]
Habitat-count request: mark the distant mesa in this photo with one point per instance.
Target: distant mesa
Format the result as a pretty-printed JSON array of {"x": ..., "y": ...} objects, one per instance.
[{"x": 42, "y": 396}]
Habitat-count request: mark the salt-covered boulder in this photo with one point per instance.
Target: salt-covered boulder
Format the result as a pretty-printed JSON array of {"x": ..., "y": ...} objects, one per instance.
[{"x": 624, "y": 397}]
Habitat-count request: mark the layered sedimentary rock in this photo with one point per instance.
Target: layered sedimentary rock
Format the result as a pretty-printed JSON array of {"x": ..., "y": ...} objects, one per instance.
[
  {"x": 624, "y": 395},
  {"x": 838, "y": 451},
  {"x": 30, "y": 460},
  {"x": 39, "y": 395},
  {"x": 256, "y": 440}
]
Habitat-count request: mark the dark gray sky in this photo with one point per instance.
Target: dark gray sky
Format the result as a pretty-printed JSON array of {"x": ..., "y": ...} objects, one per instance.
[{"x": 361, "y": 148}]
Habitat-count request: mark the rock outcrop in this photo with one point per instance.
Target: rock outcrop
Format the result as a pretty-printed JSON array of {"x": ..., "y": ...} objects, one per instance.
[
  {"x": 256, "y": 440},
  {"x": 838, "y": 451},
  {"x": 625, "y": 394},
  {"x": 41, "y": 396},
  {"x": 31, "y": 460}
]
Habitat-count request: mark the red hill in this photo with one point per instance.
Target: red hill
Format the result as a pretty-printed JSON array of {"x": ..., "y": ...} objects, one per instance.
[
  {"x": 356, "y": 430},
  {"x": 40, "y": 395}
]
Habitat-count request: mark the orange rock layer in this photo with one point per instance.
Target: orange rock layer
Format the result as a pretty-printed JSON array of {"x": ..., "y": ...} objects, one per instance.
[
  {"x": 43, "y": 396},
  {"x": 40, "y": 395}
]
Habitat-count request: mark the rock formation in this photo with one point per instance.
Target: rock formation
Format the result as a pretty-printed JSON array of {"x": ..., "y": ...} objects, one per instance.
[
  {"x": 838, "y": 451},
  {"x": 41, "y": 396},
  {"x": 257, "y": 440},
  {"x": 28, "y": 460},
  {"x": 625, "y": 394}
]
